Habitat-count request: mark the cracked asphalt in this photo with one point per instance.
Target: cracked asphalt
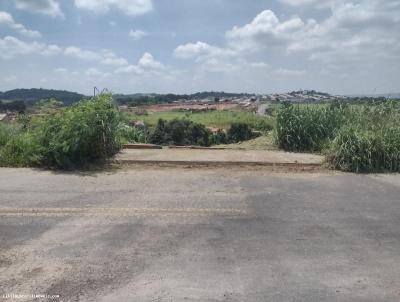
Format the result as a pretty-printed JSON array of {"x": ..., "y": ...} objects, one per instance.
[{"x": 170, "y": 234}]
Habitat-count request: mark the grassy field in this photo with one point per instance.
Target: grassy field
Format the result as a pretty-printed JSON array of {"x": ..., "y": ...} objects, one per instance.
[{"x": 216, "y": 119}]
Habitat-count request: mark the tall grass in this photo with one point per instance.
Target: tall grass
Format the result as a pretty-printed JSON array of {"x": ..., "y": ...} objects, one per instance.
[
  {"x": 369, "y": 141},
  {"x": 7, "y": 131},
  {"x": 356, "y": 138},
  {"x": 306, "y": 128}
]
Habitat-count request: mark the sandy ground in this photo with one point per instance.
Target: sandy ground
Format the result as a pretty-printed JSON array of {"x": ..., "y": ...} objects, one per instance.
[{"x": 199, "y": 235}]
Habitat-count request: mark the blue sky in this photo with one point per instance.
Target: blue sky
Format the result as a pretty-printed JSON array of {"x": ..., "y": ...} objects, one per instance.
[{"x": 184, "y": 46}]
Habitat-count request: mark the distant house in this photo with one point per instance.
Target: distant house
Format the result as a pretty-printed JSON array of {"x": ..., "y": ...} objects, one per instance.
[{"x": 4, "y": 117}]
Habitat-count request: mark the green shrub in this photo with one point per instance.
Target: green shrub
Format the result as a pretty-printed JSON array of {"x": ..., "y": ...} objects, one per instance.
[
  {"x": 128, "y": 134},
  {"x": 303, "y": 128},
  {"x": 80, "y": 134},
  {"x": 73, "y": 137},
  {"x": 239, "y": 132},
  {"x": 181, "y": 132},
  {"x": 220, "y": 138}
]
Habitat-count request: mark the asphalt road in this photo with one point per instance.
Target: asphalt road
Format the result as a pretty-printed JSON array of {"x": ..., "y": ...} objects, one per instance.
[{"x": 199, "y": 235}]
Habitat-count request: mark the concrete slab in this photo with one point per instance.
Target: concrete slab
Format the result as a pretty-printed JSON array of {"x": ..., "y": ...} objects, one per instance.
[{"x": 219, "y": 157}]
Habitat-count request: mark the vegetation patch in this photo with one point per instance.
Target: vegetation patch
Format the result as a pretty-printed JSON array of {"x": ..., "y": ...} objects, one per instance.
[
  {"x": 181, "y": 132},
  {"x": 215, "y": 119},
  {"x": 307, "y": 128},
  {"x": 356, "y": 138},
  {"x": 71, "y": 138}
]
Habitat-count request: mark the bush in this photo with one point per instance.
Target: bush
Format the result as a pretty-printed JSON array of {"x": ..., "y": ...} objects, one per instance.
[
  {"x": 181, "y": 132},
  {"x": 71, "y": 138},
  {"x": 21, "y": 150},
  {"x": 128, "y": 134},
  {"x": 239, "y": 132},
  {"x": 83, "y": 133},
  {"x": 220, "y": 138},
  {"x": 303, "y": 128}
]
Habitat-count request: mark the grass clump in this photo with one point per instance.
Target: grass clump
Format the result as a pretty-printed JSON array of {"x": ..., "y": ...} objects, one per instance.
[
  {"x": 369, "y": 142},
  {"x": 356, "y": 138},
  {"x": 304, "y": 128}
]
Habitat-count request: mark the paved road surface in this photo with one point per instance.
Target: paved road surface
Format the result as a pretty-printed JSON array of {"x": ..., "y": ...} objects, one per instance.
[{"x": 199, "y": 235}]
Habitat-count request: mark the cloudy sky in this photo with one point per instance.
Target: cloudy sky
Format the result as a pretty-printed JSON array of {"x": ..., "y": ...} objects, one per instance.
[{"x": 184, "y": 46}]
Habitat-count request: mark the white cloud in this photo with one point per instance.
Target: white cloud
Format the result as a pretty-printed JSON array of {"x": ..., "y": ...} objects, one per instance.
[
  {"x": 192, "y": 50},
  {"x": 114, "y": 61},
  {"x": 216, "y": 58},
  {"x": 8, "y": 20},
  {"x": 266, "y": 31},
  {"x": 95, "y": 73},
  {"x": 353, "y": 32},
  {"x": 60, "y": 70},
  {"x": 47, "y": 7},
  {"x": 128, "y": 69},
  {"x": 105, "y": 57},
  {"x": 146, "y": 64},
  {"x": 137, "y": 34},
  {"x": 52, "y": 50},
  {"x": 11, "y": 47},
  {"x": 289, "y": 72},
  {"x": 78, "y": 53},
  {"x": 129, "y": 7},
  {"x": 300, "y": 2},
  {"x": 109, "y": 58}
]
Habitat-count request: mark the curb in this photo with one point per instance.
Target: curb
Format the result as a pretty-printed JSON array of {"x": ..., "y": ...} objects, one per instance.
[
  {"x": 294, "y": 166},
  {"x": 141, "y": 146},
  {"x": 196, "y": 148}
]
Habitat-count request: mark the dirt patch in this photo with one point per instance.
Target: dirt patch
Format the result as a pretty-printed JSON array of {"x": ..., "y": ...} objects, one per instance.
[{"x": 184, "y": 107}]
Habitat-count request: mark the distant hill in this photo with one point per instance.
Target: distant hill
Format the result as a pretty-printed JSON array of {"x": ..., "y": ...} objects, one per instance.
[{"x": 32, "y": 96}]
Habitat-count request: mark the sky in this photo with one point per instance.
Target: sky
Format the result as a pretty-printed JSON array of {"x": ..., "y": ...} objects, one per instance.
[{"x": 186, "y": 46}]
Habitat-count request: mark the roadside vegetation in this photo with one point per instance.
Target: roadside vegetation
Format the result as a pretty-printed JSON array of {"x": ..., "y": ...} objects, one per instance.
[
  {"x": 182, "y": 132},
  {"x": 93, "y": 131},
  {"x": 355, "y": 138},
  {"x": 70, "y": 138},
  {"x": 216, "y": 119}
]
